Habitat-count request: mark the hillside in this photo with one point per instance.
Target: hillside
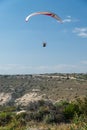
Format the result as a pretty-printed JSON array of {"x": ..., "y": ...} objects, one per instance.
[{"x": 51, "y": 86}]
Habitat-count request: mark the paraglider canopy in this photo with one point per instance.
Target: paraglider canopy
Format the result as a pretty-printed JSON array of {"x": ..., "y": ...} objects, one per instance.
[{"x": 55, "y": 16}]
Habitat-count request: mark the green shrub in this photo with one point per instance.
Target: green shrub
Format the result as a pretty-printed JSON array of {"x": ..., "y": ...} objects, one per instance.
[
  {"x": 7, "y": 108},
  {"x": 70, "y": 110},
  {"x": 78, "y": 119},
  {"x": 37, "y": 116},
  {"x": 49, "y": 119},
  {"x": 21, "y": 116},
  {"x": 82, "y": 104},
  {"x": 53, "y": 118},
  {"x": 41, "y": 102},
  {"x": 79, "y": 123},
  {"x": 44, "y": 110},
  {"x": 5, "y": 118}
]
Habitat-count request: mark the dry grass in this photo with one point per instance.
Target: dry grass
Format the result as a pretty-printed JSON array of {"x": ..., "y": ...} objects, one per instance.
[{"x": 42, "y": 126}]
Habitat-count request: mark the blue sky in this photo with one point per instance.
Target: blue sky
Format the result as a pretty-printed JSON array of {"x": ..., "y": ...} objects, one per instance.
[{"x": 21, "y": 50}]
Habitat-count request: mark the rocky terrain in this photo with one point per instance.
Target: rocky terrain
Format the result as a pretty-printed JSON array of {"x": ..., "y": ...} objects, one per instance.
[{"x": 27, "y": 90}]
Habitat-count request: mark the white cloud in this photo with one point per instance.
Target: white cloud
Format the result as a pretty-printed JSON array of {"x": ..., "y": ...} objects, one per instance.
[
  {"x": 68, "y": 20},
  {"x": 84, "y": 62},
  {"x": 82, "y": 32}
]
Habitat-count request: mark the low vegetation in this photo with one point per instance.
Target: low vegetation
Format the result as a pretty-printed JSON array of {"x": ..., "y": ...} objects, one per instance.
[
  {"x": 68, "y": 110},
  {"x": 61, "y": 115},
  {"x": 56, "y": 86}
]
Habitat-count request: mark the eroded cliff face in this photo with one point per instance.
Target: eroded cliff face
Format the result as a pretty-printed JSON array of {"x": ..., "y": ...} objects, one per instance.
[
  {"x": 5, "y": 98},
  {"x": 32, "y": 101},
  {"x": 29, "y": 101}
]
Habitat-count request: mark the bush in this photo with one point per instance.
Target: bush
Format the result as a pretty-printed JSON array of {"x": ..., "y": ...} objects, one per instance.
[
  {"x": 49, "y": 119},
  {"x": 82, "y": 104},
  {"x": 7, "y": 108},
  {"x": 39, "y": 114},
  {"x": 78, "y": 119},
  {"x": 79, "y": 123},
  {"x": 21, "y": 116},
  {"x": 70, "y": 111},
  {"x": 5, "y": 118}
]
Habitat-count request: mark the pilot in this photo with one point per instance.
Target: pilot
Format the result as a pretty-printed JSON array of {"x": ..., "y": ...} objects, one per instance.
[{"x": 44, "y": 44}]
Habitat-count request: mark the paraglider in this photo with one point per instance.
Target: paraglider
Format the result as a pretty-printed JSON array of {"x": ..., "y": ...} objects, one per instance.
[
  {"x": 51, "y": 14},
  {"x": 44, "y": 44},
  {"x": 55, "y": 16}
]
